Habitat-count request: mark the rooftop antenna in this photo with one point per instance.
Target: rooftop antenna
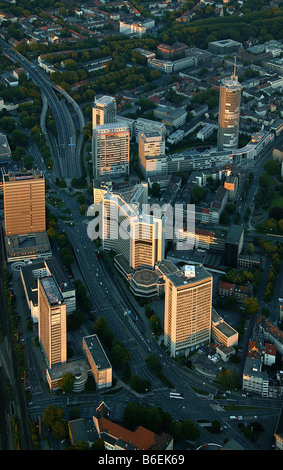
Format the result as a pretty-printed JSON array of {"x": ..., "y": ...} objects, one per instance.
[{"x": 234, "y": 74}]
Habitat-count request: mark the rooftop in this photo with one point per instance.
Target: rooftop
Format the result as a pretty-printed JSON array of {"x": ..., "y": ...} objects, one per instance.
[
  {"x": 97, "y": 352},
  {"x": 51, "y": 290},
  {"x": 179, "y": 278}
]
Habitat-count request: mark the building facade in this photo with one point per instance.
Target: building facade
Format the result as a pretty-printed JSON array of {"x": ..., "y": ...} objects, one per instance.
[
  {"x": 111, "y": 149},
  {"x": 125, "y": 229},
  {"x": 103, "y": 111},
  {"x": 151, "y": 152},
  {"x": 229, "y": 113},
  {"x": 188, "y": 306},
  {"x": 52, "y": 325},
  {"x": 24, "y": 202},
  {"x": 99, "y": 363}
]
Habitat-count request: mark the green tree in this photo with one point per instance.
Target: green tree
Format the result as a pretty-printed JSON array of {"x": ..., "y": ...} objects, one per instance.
[
  {"x": 119, "y": 354},
  {"x": 251, "y": 306},
  {"x": 67, "y": 382},
  {"x": 190, "y": 430}
]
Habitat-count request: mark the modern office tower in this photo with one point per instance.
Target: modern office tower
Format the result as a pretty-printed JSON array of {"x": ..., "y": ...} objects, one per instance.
[
  {"x": 103, "y": 111},
  {"x": 138, "y": 237},
  {"x": 188, "y": 306},
  {"x": 24, "y": 202},
  {"x": 147, "y": 244},
  {"x": 111, "y": 149},
  {"x": 151, "y": 149},
  {"x": 30, "y": 273},
  {"x": 52, "y": 325},
  {"x": 233, "y": 245},
  {"x": 229, "y": 113}
]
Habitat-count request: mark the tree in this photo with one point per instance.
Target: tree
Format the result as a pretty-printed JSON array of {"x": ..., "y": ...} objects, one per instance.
[
  {"x": 190, "y": 430},
  {"x": 276, "y": 213},
  {"x": 119, "y": 355},
  {"x": 67, "y": 382},
  {"x": 138, "y": 384},
  {"x": 251, "y": 306},
  {"x": 153, "y": 363},
  {"x": 251, "y": 248},
  {"x": 155, "y": 189}
]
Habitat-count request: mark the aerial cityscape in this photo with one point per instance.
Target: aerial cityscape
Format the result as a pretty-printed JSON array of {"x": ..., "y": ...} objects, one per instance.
[{"x": 141, "y": 208}]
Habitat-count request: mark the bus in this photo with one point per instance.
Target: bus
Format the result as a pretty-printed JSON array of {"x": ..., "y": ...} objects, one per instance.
[{"x": 177, "y": 395}]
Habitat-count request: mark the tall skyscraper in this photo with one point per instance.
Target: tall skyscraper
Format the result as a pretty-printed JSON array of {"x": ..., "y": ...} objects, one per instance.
[
  {"x": 24, "y": 202},
  {"x": 229, "y": 113},
  {"x": 111, "y": 149},
  {"x": 151, "y": 147},
  {"x": 188, "y": 306},
  {"x": 138, "y": 237},
  {"x": 52, "y": 325},
  {"x": 103, "y": 111}
]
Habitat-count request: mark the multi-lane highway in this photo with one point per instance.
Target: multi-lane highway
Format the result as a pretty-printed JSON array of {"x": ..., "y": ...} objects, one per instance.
[{"x": 67, "y": 162}]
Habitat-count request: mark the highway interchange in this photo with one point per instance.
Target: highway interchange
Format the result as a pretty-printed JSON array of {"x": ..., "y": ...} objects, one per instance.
[{"x": 110, "y": 301}]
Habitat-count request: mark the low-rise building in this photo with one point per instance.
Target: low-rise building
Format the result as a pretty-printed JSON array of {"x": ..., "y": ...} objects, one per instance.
[
  {"x": 254, "y": 379},
  {"x": 99, "y": 362},
  {"x": 227, "y": 289},
  {"x": 116, "y": 437},
  {"x": 222, "y": 332}
]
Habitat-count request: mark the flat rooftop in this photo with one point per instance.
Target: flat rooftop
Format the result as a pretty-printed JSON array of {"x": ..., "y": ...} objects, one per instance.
[
  {"x": 180, "y": 279},
  {"x": 51, "y": 290},
  {"x": 234, "y": 234},
  {"x": 145, "y": 277},
  {"x": 97, "y": 352},
  {"x": 23, "y": 174}
]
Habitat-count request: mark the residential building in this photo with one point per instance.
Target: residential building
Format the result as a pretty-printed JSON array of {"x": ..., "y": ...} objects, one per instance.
[
  {"x": 111, "y": 149},
  {"x": 249, "y": 261},
  {"x": 188, "y": 304},
  {"x": 254, "y": 379},
  {"x": 52, "y": 325},
  {"x": 277, "y": 153},
  {"x": 229, "y": 113},
  {"x": 227, "y": 289},
  {"x": 103, "y": 111},
  {"x": 116, "y": 437},
  {"x": 24, "y": 202}
]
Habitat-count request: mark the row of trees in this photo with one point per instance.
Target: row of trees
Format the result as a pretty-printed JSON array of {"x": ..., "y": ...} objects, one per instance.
[
  {"x": 118, "y": 352},
  {"x": 157, "y": 420}
]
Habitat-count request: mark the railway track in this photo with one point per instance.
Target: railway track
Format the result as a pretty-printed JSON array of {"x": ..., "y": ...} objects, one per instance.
[{"x": 15, "y": 407}]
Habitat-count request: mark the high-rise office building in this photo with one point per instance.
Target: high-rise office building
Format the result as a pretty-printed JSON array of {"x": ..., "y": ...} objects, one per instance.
[
  {"x": 103, "y": 111},
  {"x": 125, "y": 229},
  {"x": 229, "y": 113},
  {"x": 111, "y": 149},
  {"x": 24, "y": 202},
  {"x": 151, "y": 148},
  {"x": 52, "y": 325},
  {"x": 188, "y": 306}
]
